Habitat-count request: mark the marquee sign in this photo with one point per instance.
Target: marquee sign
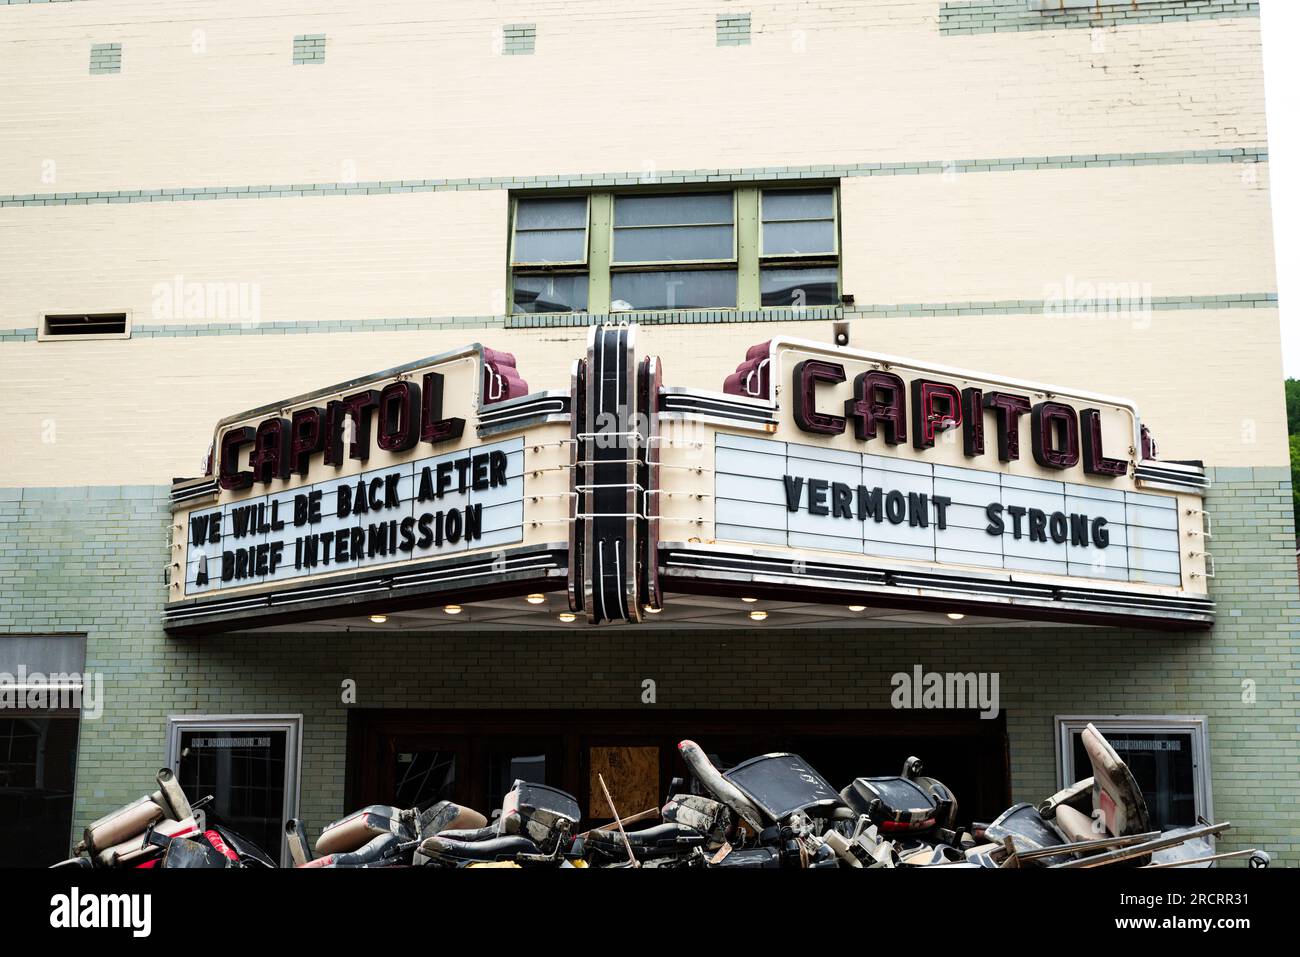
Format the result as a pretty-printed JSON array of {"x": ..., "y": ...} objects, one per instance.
[
  {"x": 396, "y": 487},
  {"x": 817, "y": 471},
  {"x": 933, "y": 488},
  {"x": 437, "y": 505}
]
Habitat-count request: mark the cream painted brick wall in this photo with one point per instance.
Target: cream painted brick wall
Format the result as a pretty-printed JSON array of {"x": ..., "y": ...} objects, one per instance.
[
  {"x": 143, "y": 411},
  {"x": 1179, "y": 230},
  {"x": 412, "y": 89},
  {"x": 333, "y": 257},
  {"x": 416, "y": 90}
]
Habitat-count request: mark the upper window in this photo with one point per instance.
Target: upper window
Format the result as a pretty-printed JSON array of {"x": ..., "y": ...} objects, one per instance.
[
  {"x": 740, "y": 248},
  {"x": 798, "y": 222},
  {"x": 549, "y": 254},
  {"x": 800, "y": 248},
  {"x": 551, "y": 231},
  {"x": 662, "y": 230}
]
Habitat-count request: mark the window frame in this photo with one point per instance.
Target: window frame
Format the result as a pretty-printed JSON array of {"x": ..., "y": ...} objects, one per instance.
[
  {"x": 292, "y": 724},
  {"x": 800, "y": 258},
  {"x": 1196, "y": 726},
  {"x": 672, "y": 265},
  {"x": 557, "y": 265},
  {"x": 747, "y": 260}
]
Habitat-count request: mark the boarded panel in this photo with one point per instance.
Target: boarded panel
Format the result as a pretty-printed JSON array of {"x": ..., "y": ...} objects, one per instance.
[{"x": 632, "y": 776}]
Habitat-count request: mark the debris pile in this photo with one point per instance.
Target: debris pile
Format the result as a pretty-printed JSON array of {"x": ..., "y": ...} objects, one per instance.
[{"x": 774, "y": 810}]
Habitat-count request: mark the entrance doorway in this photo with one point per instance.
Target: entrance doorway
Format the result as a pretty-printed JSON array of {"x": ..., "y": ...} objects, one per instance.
[{"x": 408, "y": 758}]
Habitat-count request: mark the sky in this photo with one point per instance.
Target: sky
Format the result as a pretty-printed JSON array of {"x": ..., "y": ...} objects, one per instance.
[{"x": 1281, "y": 29}]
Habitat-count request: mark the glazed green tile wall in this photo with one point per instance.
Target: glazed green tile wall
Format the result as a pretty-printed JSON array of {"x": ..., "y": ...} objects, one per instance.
[
  {"x": 106, "y": 58},
  {"x": 519, "y": 39},
  {"x": 308, "y": 48},
  {"x": 733, "y": 29},
  {"x": 91, "y": 560}
]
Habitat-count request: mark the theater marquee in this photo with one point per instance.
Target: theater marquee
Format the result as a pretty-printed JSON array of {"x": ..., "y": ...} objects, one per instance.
[{"x": 816, "y": 471}]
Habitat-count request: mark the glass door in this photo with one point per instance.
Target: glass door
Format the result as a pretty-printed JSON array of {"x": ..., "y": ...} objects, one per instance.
[{"x": 248, "y": 764}]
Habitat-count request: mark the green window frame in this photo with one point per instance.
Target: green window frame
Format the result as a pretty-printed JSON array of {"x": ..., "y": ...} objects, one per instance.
[{"x": 762, "y": 280}]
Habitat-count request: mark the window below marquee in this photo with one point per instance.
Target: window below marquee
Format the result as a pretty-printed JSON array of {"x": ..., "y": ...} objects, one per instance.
[{"x": 1168, "y": 755}]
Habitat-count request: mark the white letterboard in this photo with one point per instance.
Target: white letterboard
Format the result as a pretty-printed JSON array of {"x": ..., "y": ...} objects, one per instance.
[
  {"x": 502, "y": 520},
  {"x": 751, "y": 506}
]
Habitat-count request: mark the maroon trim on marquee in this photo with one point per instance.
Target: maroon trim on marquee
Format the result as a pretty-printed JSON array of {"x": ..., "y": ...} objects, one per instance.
[
  {"x": 1094, "y": 458},
  {"x": 306, "y": 438},
  {"x": 359, "y": 405},
  {"x": 753, "y": 377},
  {"x": 972, "y": 430},
  {"x": 1150, "y": 451},
  {"x": 435, "y": 428},
  {"x": 231, "y": 442},
  {"x": 1009, "y": 408},
  {"x": 270, "y": 458},
  {"x": 880, "y": 401},
  {"x": 501, "y": 380},
  {"x": 334, "y": 413},
  {"x": 806, "y": 376},
  {"x": 399, "y": 416},
  {"x": 936, "y": 407},
  {"x": 1055, "y": 435}
]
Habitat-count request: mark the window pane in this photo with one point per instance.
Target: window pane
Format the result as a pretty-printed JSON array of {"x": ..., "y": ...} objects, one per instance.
[
  {"x": 672, "y": 243},
  {"x": 685, "y": 289},
  {"x": 423, "y": 778},
  {"x": 550, "y": 293},
  {"x": 504, "y": 768},
  {"x": 550, "y": 246},
  {"x": 672, "y": 210},
  {"x": 798, "y": 238},
  {"x": 817, "y": 286},
  {"x": 570, "y": 212},
  {"x": 38, "y": 761},
  {"x": 779, "y": 204},
  {"x": 1161, "y": 762},
  {"x": 244, "y": 770}
]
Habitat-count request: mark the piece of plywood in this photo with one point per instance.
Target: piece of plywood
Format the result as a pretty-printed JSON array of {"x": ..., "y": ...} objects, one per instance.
[{"x": 632, "y": 776}]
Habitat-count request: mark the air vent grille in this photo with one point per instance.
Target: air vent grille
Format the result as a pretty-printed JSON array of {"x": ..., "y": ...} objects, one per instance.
[{"x": 86, "y": 324}]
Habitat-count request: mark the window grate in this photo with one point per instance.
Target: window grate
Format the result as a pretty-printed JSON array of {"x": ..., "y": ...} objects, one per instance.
[{"x": 86, "y": 325}]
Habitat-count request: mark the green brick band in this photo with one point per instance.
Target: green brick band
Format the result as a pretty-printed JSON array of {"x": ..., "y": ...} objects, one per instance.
[
  {"x": 1007, "y": 307},
  {"x": 1019, "y": 16},
  {"x": 1004, "y": 164}
]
